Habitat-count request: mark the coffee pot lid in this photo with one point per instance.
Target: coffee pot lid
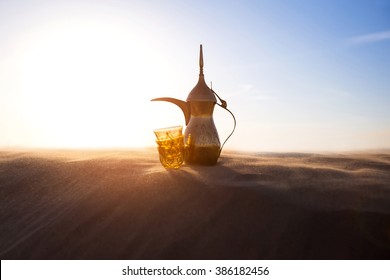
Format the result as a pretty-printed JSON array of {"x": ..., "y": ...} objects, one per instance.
[{"x": 201, "y": 92}]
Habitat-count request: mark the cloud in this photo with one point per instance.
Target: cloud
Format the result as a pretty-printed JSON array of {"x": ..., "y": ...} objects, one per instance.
[
  {"x": 246, "y": 87},
  {"x": 370, "y": 38},
  {"x": 253, "y": 93},
  {"x": 264, "y": 97}
]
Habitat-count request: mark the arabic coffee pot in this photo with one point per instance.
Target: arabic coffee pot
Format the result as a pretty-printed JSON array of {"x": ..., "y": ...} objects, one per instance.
[{"x": 200, "y": 136}]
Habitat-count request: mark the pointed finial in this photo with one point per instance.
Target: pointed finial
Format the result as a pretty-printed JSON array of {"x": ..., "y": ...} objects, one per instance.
[
  {"x": 201, "y": 92},
  {"x": 201, "y": 61}
]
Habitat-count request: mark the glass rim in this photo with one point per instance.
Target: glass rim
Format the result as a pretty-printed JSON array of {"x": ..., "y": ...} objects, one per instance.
[{"x": 176, "y": 127}]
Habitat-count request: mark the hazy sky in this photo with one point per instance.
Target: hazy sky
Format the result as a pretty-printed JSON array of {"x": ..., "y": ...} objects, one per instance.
[{"x": 299, "y": 75}]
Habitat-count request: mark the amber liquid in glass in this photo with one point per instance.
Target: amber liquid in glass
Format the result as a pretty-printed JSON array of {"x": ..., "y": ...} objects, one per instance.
[{"x": 171, "y": 152}]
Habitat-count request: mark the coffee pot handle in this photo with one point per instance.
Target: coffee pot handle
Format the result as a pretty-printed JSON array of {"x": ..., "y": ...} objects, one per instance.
[{"x": 223, "y": 105}]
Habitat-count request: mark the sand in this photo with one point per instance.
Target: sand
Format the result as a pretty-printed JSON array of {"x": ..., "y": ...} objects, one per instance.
[{"x": 125, "y": 205}]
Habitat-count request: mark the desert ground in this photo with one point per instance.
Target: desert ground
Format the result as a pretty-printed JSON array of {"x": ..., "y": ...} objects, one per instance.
[{"x": 122, "y": 204}]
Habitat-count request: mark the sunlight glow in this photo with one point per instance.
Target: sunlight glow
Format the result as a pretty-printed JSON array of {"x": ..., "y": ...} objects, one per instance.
[{"x": 83, "y": 84}]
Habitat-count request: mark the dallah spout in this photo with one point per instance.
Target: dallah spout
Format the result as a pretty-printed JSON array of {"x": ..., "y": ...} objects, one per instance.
[{"x": 182, "y": 104}]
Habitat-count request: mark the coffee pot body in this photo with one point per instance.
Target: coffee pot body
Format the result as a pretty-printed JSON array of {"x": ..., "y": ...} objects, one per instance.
[{"x": 200, "y": 135}]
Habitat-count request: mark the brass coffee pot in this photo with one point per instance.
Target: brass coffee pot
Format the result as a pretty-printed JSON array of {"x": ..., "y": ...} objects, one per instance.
[{"x": 201, "y": 136}]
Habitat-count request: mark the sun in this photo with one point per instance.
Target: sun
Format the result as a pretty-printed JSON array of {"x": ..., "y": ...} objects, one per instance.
[{"x": 87, "y": 83}]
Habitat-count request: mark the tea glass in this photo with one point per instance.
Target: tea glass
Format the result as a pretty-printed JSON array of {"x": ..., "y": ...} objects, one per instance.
[{"x": 170, "y": 146}]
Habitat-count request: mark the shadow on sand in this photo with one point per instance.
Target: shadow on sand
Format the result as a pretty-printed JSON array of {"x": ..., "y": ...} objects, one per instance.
[{"x": 124, "y": 208}]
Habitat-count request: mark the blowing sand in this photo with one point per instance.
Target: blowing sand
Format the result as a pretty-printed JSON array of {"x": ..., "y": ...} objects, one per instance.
[{"x": 125, "y": 205}]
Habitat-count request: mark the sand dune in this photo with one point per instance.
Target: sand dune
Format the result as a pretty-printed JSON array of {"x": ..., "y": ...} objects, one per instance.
[{"x": 125, "y": 205}]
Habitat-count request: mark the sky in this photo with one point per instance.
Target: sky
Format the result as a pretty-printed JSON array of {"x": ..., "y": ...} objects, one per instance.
[{"x": 299, "y": 75}]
